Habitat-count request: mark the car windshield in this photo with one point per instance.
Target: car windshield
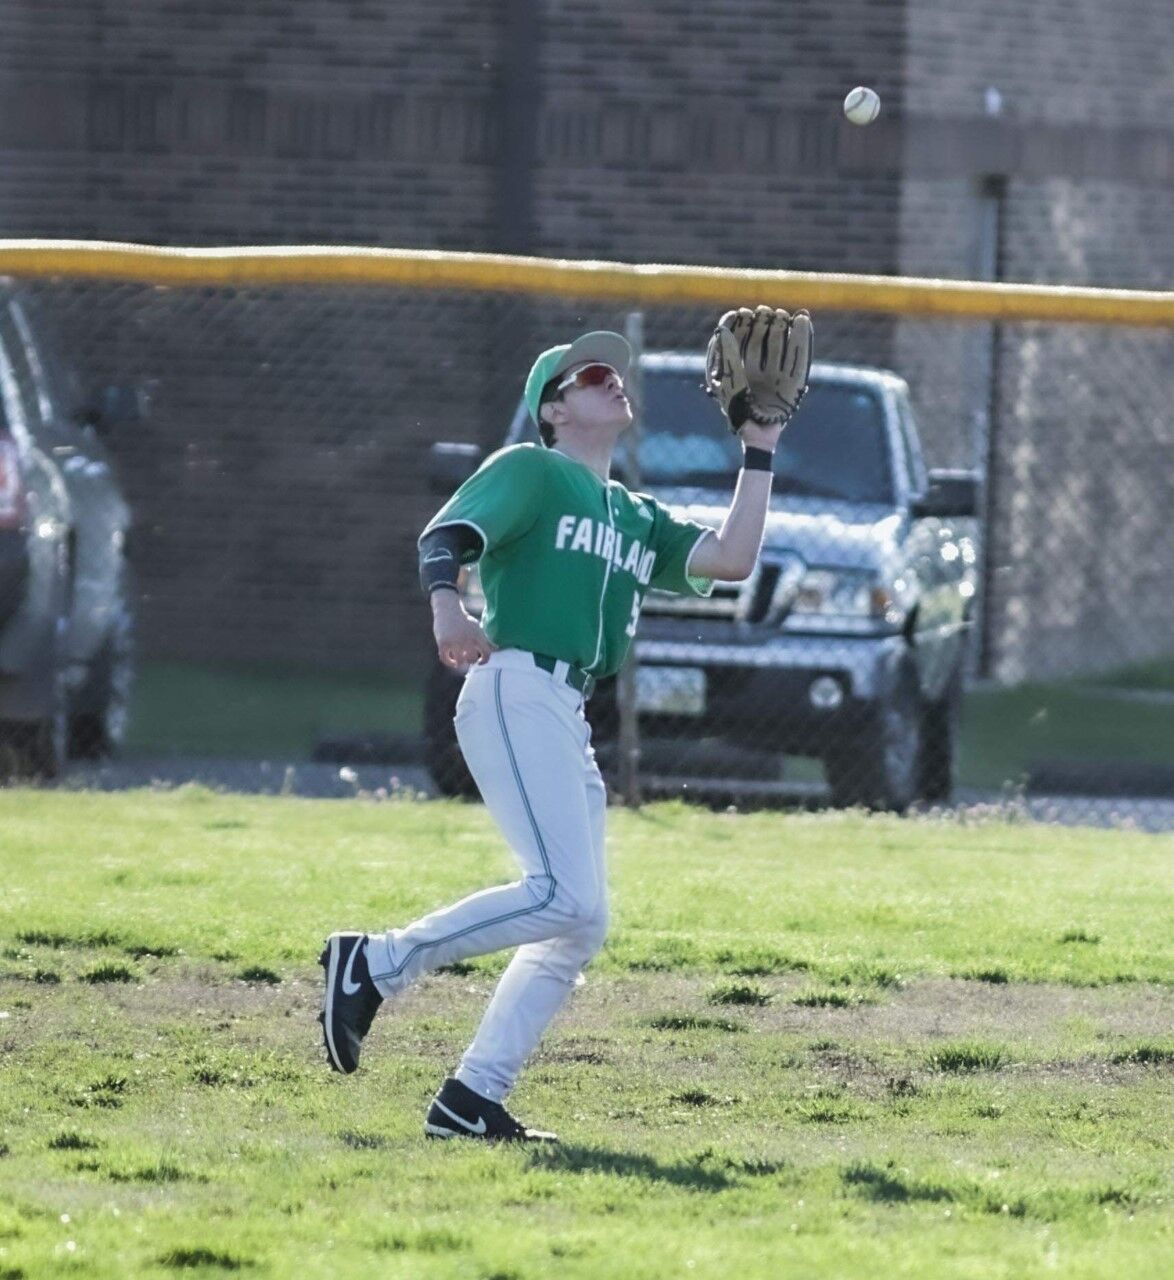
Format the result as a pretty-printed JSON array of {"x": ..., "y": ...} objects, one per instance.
[{"x": 835, "y": 447}]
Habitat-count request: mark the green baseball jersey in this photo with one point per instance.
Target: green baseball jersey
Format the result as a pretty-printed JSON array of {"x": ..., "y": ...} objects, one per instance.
[{"x": 568, "y": 557}]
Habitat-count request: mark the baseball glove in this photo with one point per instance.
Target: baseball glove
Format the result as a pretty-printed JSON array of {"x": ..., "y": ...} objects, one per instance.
[{"x": 757, "y": 364}]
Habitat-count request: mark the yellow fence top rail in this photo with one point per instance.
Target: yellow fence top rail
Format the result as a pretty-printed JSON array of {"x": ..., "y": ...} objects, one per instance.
[{"x": 646, "y": 283}]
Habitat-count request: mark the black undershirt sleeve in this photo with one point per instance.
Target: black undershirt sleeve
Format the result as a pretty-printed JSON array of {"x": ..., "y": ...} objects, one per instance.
[{"x": 443, "y": 551}]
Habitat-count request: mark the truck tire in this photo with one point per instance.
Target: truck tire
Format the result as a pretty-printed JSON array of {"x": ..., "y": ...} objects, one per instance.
[
  {"x": 97, "y": 726},
  {"x": 880, "y": 770},
  {"x": 442, "y": 752},
  {"x": 939, "y": 743}
]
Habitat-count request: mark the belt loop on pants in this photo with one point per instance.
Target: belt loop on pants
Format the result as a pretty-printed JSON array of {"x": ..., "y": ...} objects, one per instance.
[{"x": 574, "y": 676}]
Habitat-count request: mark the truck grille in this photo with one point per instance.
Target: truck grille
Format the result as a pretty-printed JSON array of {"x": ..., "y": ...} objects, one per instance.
[{"x": 764, "y": 597}]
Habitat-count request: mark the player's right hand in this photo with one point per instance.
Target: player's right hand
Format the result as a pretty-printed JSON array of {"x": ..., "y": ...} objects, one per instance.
[{"x": 460, "y": 642}]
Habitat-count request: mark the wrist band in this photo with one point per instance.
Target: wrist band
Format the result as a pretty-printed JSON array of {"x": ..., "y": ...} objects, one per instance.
[{"x": 757, "y": 459}]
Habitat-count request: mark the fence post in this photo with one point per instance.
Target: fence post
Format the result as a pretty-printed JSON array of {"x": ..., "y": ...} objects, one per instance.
[
  {"x": 992, "y": 232},
  {"x": 629, "y": 728}
]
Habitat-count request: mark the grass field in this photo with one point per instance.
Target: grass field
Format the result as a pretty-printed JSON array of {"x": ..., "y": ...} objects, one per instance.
[
  {"x": 1157, "y": 676},
  {"x": 815, "y": 1045},
  {"x": 208, "y": 710},
  {"x": 1007, "y": 733}
]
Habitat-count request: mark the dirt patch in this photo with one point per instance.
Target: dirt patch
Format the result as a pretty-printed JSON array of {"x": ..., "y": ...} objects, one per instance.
[
  {"x": 948, "y": 1008},
  {"x": 919, "y": 1011},
  {"x": 1056, "y": 1030}
]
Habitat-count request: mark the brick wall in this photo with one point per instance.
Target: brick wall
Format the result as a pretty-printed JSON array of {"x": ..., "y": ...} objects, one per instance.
[
  {"x": 212, "y": 122},
  {"x": 711, "y": 134}
]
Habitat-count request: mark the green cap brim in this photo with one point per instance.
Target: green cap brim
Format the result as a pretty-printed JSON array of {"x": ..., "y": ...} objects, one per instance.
[{"x": 599, "y": 347}]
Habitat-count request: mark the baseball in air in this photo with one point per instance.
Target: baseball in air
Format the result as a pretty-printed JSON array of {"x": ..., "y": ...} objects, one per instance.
[{"x": 862, "y": 106}]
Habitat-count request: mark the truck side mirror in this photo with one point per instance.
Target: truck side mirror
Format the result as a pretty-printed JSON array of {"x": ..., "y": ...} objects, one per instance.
[
  {"x": 450, "y": 465},
  {"x": 949, "y": 494}
]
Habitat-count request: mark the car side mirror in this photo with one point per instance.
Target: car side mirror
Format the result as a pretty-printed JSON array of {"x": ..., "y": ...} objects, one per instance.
[
  {"x": 949, "y": 494},
  {"x": 450, "y": 465}
]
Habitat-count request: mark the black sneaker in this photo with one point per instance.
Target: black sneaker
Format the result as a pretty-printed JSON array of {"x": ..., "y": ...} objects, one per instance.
[
  {"x": 351, "y": 999},
  {"x": 458, "y": 1112}
]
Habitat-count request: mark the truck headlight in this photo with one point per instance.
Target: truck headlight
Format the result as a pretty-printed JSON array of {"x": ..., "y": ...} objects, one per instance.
[{"x": 827, "y": 597}]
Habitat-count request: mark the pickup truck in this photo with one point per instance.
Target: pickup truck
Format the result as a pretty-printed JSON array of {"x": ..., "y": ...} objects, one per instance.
[{"x": 846, "y": 644}]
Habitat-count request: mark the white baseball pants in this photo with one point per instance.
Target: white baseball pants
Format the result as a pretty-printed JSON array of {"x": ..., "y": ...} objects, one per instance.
[{"x": 528, "y": 746}]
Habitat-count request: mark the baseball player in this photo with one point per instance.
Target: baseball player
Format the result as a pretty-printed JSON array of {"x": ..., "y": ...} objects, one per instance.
[{"x": 566, "y": 555}]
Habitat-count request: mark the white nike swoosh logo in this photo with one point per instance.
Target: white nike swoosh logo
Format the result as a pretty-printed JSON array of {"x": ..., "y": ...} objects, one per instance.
[
  {"x": 438, "y": 555},
  {"x": 477, "y": 1128},
  {"x": 350, "y": 988}
]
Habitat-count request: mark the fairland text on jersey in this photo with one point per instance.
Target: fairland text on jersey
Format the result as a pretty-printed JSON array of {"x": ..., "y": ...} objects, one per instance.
[{"x": 597, "y": 538}]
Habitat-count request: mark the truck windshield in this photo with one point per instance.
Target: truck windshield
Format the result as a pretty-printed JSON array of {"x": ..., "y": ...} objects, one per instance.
[{"x": 835, "y": 447}]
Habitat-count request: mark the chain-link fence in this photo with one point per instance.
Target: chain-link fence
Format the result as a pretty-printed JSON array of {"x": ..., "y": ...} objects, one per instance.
[{"x": 217, "y": 492}]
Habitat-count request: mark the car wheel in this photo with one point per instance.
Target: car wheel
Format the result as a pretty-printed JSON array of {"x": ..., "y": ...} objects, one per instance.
[
  {"x": 881, "y": 770},
  {"x": 98, "y": 728},
  {"x": 442, "y": 752},
  {"x": 939, "y": 743}
]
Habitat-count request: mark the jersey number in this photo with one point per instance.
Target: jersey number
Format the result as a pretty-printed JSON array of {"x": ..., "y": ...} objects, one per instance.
[{"x": 630, "y": 629}]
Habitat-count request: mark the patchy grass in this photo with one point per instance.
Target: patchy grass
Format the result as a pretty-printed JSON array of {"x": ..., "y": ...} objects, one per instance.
[
  {"x": 738, "y": 993},
  {"x": 201, "y": 1257},
  {"x": 833, "y": 999},
  {"x": 699, "y": 1098},
  {"x": 756, "y": 961},
  {"x": 1079, "y": 935},
  {"x": 967, "y": 1056},
  {"x": 71, "y": 1142},
  {"x": 773, "y": 1068},
  {"x": 109, "y": 973},
  {"x": 1149, "y": 1055},
  {"x": 994, "y": 975},
  {"x": 84, "y": 940},
  {"x": 260, "y": 973},
  {"x": 692, "y": 1022}
]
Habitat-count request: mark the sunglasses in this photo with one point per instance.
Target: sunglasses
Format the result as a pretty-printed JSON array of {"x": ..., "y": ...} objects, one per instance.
[{"x": 590, "y": 375}]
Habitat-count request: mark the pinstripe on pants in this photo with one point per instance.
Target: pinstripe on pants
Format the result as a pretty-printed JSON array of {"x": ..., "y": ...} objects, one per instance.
[{"x": 527, "y": 745}]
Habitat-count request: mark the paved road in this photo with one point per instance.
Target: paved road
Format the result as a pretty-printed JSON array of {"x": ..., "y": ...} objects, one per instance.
[{"x": 329, "y": 781}]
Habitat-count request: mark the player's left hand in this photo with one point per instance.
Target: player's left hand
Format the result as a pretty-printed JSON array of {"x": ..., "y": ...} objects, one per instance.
[{"x": 757, "y": 364}]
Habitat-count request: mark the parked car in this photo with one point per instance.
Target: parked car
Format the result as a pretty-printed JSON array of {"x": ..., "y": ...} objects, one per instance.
[
  {"x": 848, "y": 641},
  {"x": 66, "y": 612}
]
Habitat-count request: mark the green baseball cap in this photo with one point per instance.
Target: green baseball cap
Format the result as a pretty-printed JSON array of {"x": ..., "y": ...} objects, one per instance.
[{"x": 598, "y": 347}]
